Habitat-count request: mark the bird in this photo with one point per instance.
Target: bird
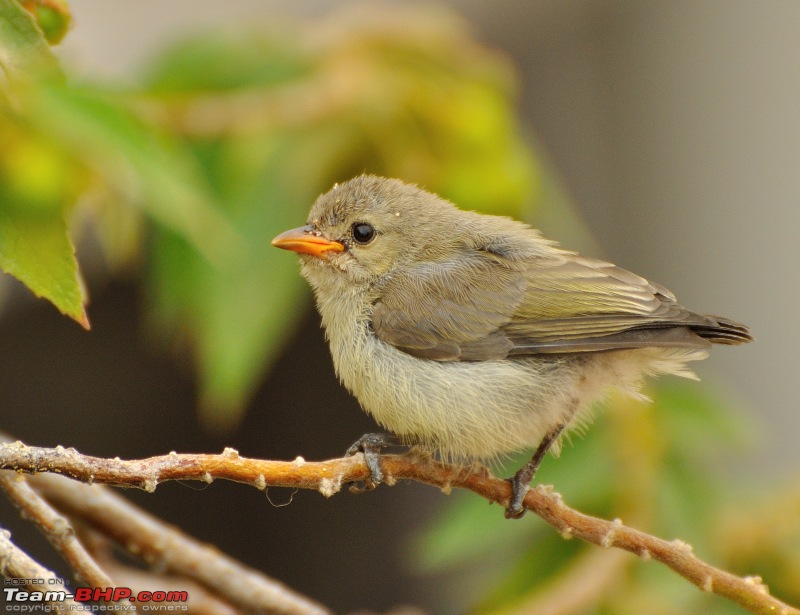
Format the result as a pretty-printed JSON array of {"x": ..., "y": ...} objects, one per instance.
[{"x": 472, "y": 336}]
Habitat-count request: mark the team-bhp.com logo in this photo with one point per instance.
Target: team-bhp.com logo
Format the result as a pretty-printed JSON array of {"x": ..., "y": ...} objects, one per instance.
[{"x": 92, "y": 599}]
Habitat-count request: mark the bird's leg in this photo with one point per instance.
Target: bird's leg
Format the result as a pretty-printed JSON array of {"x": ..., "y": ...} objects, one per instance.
[
  {"x": 520, "y": 482},
  {"x": 371, "y": 445}
]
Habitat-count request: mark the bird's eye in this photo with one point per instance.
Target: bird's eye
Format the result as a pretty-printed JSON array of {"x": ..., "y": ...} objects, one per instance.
[{"x": 363, "y": 233}]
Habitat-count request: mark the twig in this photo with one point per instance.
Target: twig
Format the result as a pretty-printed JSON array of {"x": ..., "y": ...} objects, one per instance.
[
  {"x": 201, "y": 600},
  {"x": 56, "y": 528},
  {"x": 168, "y": 548},
  {"x": 328, "y": 477},
  {"x": 16, "y": 564}
]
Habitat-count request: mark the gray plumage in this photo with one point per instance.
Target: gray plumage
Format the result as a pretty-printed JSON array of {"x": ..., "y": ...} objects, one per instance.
[{"x": 472, "y": 334}]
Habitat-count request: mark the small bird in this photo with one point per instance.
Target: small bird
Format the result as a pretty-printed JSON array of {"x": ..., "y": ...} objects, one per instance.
[{"x": 472, "y": 335}]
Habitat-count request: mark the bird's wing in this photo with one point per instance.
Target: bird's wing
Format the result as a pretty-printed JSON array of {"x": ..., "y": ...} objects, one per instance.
[
  {"x": 450, "y": 309},
  {"x": 482, "y": 305},
  {"x": 577, "y": 304}
]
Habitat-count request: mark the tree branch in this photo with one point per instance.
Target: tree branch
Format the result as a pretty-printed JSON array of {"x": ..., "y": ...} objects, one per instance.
[
  {"x": 327, "y": 477},
  {"x": 167, "y": 548},
  {"x": 55, "y": 527},
  {"x": 16, "y": 564},
  {"x": 203, "y": 600}
]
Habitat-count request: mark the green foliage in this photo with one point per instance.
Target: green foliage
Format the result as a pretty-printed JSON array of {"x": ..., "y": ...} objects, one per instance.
[
  {"x": 24, "y": 52},
  {"x": 38, "y": 179},
  {"x": 35, "y": 248},
  {"x": 52, "y": 16},
  {"x": 140, "y": 164}
]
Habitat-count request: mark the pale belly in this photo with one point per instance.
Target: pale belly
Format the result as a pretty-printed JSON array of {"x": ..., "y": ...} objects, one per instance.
[{"x": 462, "y": 409}]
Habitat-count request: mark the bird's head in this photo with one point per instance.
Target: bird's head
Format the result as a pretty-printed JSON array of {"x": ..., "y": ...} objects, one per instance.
[{"x": 364, "y": 228}]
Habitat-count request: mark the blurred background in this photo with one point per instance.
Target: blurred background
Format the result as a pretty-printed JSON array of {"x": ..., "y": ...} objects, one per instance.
[{"x": 662, "y": 136}]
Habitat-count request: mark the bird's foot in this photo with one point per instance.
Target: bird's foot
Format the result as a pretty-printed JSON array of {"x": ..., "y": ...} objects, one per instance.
[
  {"x": 521, "y": 481},
  {"x": 520, "y": 484},
  {"x": 371, "y": 444}
]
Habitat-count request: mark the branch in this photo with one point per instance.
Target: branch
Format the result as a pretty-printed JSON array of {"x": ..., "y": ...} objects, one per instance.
[
  {"x": 166, "y": 547},
  {"x": 202, "y": 602},
  {"x": 55, "y": 527},
  {"x": 327, "y": 477},
  {"x": 16, "y": 564}
]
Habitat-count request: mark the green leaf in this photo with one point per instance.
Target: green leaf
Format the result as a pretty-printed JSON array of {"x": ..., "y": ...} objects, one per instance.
[
  {"x": 144, "y": 166},
  {"x": 39, "y": 182},
  {"x": 239, "y": 313},
  {"x": 36, "y": 250},
  {"x": 53, "y": 17},
  {"x": 225, "y": 61},
  {"x": 24, "y": 52}
]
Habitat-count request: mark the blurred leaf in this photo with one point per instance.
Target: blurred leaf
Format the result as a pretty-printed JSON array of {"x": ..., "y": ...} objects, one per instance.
[
  {"x": 36, "y": 250},
  {"x": 143, "y": 166},
  {"x": 231, "y": 316},
  {"x": 698, "y": 431},
  {"x": 36, "y": 175},
  {"x": 24, "y": 52},
  {"x": 240, "y": 314},
  {"x": 52, "y": 16},
  {"x": 38, "y": 182},
  {"x": 450, "y": 540},
  {"x": 229, "y": 61}
]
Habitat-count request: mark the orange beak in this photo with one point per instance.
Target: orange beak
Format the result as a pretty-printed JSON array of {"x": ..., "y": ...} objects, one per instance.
[{"x": 305, "y": 240}]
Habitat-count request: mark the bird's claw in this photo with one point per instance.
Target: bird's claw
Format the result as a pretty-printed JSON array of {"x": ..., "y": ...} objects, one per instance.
[
  {"x": 519, "y": 488},
  {"x": 371, "y": 445}
]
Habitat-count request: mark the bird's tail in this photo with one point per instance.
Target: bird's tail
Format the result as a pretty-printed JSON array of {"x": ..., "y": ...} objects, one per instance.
[{"x": 724, "y": 331}]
